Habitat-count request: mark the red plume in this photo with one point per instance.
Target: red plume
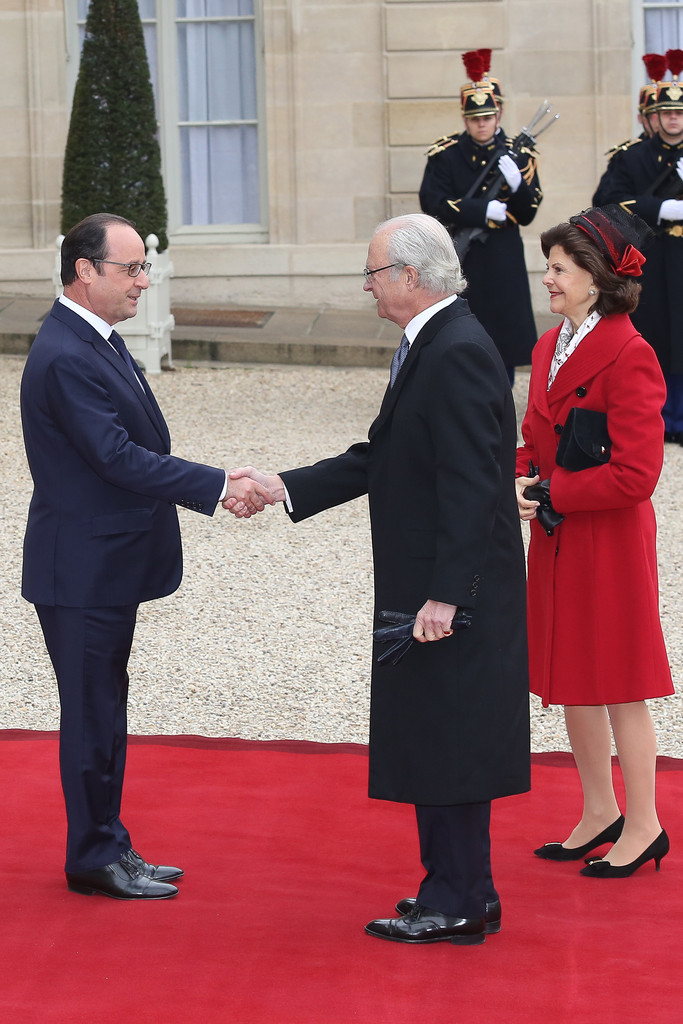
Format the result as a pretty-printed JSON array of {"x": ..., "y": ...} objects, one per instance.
[
  {"x": 674, "y": 59},
  {"x": 655, "y": 64},
  {"x": 474, "y": 65},
  {"x": 486, "y": 58}
]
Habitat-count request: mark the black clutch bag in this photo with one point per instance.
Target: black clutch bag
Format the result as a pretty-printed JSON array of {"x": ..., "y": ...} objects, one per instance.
[{"x": 584, "y": 441}]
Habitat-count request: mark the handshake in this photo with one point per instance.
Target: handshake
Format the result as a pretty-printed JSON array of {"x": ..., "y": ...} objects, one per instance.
[{"x": 249, "y": 491}]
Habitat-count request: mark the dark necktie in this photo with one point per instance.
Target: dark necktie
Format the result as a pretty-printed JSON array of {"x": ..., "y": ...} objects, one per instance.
[
  {"x": 119, "y": 344},
  {"x": 397, "y": 360}
]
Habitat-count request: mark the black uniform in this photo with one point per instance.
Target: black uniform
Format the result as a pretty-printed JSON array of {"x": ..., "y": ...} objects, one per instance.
[
  {"x": 498, "y": 286},
  {"x": 613, "y": 157},
  {"x": 659, "y": 316}
]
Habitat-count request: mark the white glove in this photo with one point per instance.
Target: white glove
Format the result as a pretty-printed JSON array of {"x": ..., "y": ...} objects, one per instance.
[
  {"x": 671, "y": 209},
  {"x": 498, "y": 211},
  {"x": 679, "y": 167},
  {"x": 511, "y": 172}
]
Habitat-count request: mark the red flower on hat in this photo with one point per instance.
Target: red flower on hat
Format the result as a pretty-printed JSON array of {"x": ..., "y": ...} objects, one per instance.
[{"x": 631, "y": 262}]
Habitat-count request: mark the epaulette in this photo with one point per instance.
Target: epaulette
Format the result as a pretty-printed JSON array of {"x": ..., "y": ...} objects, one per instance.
[
  {"x": 443, "y": 143},
  {"x": 622, "y": 147}
]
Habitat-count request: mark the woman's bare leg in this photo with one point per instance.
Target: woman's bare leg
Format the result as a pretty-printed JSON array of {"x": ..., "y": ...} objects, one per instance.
[
  {"x": 636, "y": 743},
  {"x": 588, "y": 728}
]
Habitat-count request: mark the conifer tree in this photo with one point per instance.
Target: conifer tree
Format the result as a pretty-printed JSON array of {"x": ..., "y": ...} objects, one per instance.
[{"x": 112, "y": 161}]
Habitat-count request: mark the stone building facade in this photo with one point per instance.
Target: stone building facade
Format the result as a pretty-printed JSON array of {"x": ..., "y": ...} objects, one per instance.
[{"x": 348, "y": 96}]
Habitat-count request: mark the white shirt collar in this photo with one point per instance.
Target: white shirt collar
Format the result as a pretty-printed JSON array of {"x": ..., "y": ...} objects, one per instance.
[
  {"x": 100, "y": 325},
  {"x": 414, "y": 326}
]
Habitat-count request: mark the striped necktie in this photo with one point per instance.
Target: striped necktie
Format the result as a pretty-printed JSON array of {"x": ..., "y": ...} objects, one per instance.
[{"x": 397, "y": 360}]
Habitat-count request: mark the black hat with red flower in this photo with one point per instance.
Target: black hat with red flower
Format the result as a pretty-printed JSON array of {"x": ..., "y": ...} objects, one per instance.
[{"x": 619, "y": 236}]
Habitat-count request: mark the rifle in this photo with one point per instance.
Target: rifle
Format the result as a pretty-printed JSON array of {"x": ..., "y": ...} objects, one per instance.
[
  {"x": 463, "y": 237},
  {"x": 673, "y": 189}
]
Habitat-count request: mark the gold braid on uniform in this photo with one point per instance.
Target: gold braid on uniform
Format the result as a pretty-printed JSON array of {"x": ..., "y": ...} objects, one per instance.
[
  {"x": 529, "y": 168},
  {"x": 621, "y": 148},
  {"x": 443, "y": 143}
]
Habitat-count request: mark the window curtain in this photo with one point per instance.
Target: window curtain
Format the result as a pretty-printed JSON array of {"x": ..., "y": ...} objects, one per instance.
[
  {"x": 218, "y": 112},
  {"x": 664, "y": 28}
]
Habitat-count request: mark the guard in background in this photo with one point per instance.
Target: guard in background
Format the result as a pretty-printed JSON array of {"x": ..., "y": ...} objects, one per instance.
[
  {"x": 655, "y": 64},
  {"x": 648, "y": 181},
  {"x": 453, "y": 191}
]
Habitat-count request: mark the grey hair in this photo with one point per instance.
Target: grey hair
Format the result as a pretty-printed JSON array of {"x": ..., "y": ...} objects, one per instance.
[{"x": 417, "y": 240}]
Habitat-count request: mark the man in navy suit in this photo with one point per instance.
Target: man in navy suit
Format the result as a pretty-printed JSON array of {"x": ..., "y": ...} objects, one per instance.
[
  {"x": 102, "y": 535},
  {"x": 449, "y": 721}
]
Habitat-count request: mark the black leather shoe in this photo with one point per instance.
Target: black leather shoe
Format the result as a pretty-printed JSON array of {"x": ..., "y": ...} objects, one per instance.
[
  {"x": 122, "y": 881},
  {"x": 159, "y": 872},
  {"x": 556, "y": 851},
  {"x": 421, "y": 924},
  {"x": 492, "y": 918}
]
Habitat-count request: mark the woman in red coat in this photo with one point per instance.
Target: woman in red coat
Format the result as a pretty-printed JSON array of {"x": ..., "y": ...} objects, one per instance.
[{"x": 595, "y": 639}]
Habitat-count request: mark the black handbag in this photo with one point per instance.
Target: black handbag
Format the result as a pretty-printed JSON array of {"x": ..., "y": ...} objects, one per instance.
[{"x": 584, "y": 441}]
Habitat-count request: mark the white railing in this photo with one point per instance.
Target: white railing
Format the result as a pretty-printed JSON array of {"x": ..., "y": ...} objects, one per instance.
[{"x": 148, "y": 334}]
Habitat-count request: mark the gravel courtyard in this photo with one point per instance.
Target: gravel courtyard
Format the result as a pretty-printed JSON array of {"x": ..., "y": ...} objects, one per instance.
[{"x": 269, "y": 636}]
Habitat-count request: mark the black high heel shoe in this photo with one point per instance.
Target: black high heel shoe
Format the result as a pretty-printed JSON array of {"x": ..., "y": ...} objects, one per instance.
[
  {"x": 556, "y": 851},
  {"x": 599, "y": 868}
]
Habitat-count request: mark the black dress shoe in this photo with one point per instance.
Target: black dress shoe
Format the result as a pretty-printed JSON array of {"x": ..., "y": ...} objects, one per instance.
[
  {"x": 600, "y": 868},
  {"x": 556, "y": 851},
  {"x": 492, "y": 917},
  {"x": 159, "y": 872},
  {"x": 122, "y": 881},
  {"x": 671, "y": 437},
  {"x": 421, "y": 924}
]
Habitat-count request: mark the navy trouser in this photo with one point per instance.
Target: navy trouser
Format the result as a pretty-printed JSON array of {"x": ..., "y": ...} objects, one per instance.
[
  {"x": 455, "y": 849},
  {"x": 673, "y": 407},
  {"x": 89, "y": 649}
]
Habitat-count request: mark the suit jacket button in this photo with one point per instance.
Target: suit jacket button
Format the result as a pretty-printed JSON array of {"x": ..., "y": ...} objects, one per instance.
[
  {"x": 581, "y": 392},
  {"x": 558, "y": 428}
]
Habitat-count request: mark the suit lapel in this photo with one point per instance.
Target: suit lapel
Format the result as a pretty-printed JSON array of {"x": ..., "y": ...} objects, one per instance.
[
  {"x": 87, "y": 333},
  {"x": 424, "y": 337}
]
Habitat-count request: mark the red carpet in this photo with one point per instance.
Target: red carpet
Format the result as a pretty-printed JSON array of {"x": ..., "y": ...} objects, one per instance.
[{"x": 286, "y": 860}]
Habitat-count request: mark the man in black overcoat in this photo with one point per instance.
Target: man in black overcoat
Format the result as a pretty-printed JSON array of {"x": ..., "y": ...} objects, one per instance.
[
  {"x": 648, "y": 181},
  {"x": 449, "y": 724},
  {"x": 497, "y": 281}
]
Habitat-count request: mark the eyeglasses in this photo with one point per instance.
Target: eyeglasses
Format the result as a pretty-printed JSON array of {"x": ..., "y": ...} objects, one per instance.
[
  {"x": 368, "y": 273},
  {"x": 132, "y": 268}
]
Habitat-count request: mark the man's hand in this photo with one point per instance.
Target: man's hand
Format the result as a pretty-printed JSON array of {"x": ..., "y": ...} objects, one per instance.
[
  {"x": 433, "y": 621},
  {"x": 527, "y": 508},
  {"x": 247, "y": 486},
  {"x": 671, "y": 209},
  {"x": 497, "y": 211},
  {"x": 510, "y": 171},
  {"x": 245, "y": 495}
]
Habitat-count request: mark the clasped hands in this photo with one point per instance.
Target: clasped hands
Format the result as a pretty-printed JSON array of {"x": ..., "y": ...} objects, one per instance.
[{"x": 249, "y": 491}]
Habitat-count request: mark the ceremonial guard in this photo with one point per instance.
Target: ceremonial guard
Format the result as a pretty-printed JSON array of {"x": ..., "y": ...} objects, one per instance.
[
  {"x": 482, "y": 189},
  {"x": 648, "y": 181},
  {"x": 647, "y": 119}
]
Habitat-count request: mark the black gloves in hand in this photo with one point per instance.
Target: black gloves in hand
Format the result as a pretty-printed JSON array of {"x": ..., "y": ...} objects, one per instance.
[
  {"x": 545, "y": 513},
  {"x": 400, "y": 633}
]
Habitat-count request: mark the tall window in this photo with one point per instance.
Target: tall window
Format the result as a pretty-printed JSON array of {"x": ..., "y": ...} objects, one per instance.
[
  {"x": 662, "y": 26},
  {"x": 205, "y": 64}
]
